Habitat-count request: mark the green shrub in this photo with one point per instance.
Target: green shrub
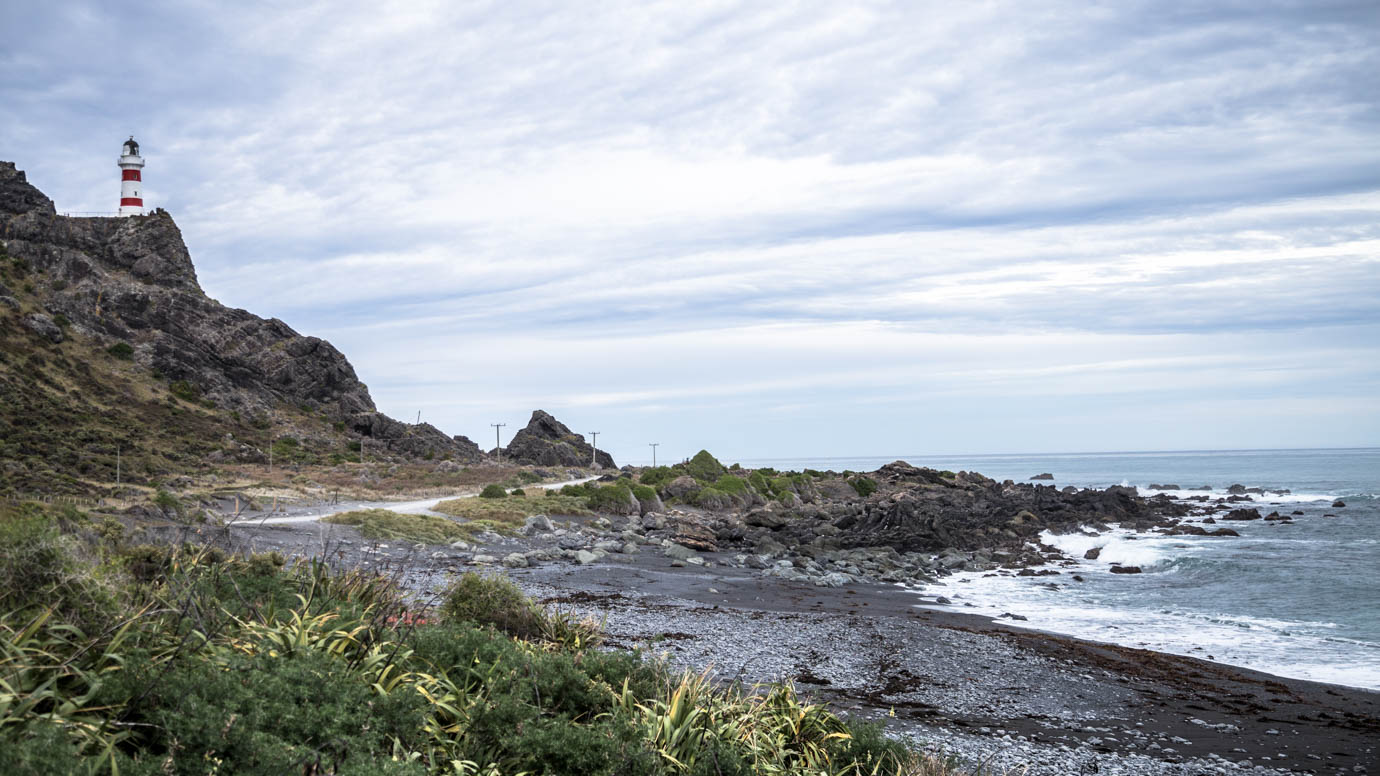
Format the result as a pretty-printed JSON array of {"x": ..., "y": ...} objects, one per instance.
[
  {"x": 493, "y": 490},
  {"x": 167, "y": 501},
  {"x": 616, "y": 497},
  {"x": 121, "y": 350},
  {"x": 491, "y": 600},
  {"x": 40, "y": 748},
  {"x": 517, "y": 492},
  {"x": 580, "y": 490},
  {"x": 39, "y": 567},
  {"x": 705, "y": 467},
  {"x": 184, "y": 390},
  {"x": 759, "y": 483},
  {"x": 735, "y": 486},
  {"x": 864, "y": 485},
  {"x": 657, "y": 476},
  {"x": 643, "y": 493},
  {"x": 274, "y": 714},
  {"x": 528, "y": 477}
]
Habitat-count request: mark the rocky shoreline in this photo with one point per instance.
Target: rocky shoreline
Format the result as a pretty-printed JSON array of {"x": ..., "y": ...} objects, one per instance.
[{"x": 787, "y": 590}]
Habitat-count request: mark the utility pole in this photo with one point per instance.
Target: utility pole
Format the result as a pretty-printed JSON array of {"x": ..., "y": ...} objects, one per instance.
[
  {"x": 653, "y": 445},
  {"x": 270, "y": 455},
  {"x": 498, "y": 446},
  {"x": 419, "y": 417},
  {"x": 117, "y": 467},
  {"x": 594, "y": 456}
]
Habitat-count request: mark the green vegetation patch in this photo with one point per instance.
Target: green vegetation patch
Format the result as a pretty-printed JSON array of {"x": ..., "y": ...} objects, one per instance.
[
  {"x": 513, "y": 511},
  {"x": 121, "y": 350},
  {"x": 185, "y": 390},
  {"x": 493, "y": 490},
  {"x": 616, "y": 497},
  {"x": 864, "y": 485},
  {"x": 705, "y": 467},
  {"x": 732, "y": 485},
  {"x": 385, "y": 525},
  {"x": 659, "y": 475}
]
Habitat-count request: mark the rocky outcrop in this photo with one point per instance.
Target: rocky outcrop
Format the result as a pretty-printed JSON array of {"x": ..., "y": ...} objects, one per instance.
[
  {"x": 131, "y": 280},
  {"x": 548, "y": 442},
  {"x": 929, "y": 512}
]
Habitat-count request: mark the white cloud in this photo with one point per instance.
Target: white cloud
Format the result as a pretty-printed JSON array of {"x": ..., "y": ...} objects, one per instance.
[{"x": 711, "y": 213}]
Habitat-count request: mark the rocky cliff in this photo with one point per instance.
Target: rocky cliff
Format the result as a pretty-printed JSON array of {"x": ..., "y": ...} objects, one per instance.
[
  {"x": 548, "y": 442},
  {"x": 127, "y": 286}
]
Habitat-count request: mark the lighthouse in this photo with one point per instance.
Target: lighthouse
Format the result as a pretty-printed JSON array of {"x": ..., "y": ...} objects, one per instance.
[{"x": 131, "y": 200}]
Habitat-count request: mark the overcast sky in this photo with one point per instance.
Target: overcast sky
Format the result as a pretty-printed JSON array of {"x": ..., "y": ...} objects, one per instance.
[{"x": 767, "y": 229}]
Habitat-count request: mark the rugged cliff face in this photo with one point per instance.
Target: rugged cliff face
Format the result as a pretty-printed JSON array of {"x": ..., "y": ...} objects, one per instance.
[
  {"x": 128, "y": 284},
  {"x": 548, "y": 442}
]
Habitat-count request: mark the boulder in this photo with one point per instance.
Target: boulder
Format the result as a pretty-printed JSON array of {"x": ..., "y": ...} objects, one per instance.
[
  {"x": 546, "y": 441},
  {"x": 536, "y": 524},
  {"x": 696, "y": 536},
  {"x": 650, "y": 505},
  {"x": 585, "y": 557},
  {"x": 834, "y": 579},
  {"x": 515, "y": 560},
  {"x": 679, "y": 552},
  {"x": 1043, "y": 476},
  {"x": 1338, "y": 504},
  {"x": 1237, "y": 489},
  {"x": 1092, "y": 554},
  {"x": 1243, "y": 514},
  {"x": 682, "y": 488},
  {"x": 1125, "y": 569},
  {"x": 43, "y": 326}
]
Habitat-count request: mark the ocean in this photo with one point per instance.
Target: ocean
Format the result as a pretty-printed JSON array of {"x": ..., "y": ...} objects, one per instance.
[{"x": 1299, "y": 600}]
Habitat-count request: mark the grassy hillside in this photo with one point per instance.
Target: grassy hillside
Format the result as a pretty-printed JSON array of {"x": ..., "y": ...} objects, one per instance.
[{"x": 72, "y": 411}]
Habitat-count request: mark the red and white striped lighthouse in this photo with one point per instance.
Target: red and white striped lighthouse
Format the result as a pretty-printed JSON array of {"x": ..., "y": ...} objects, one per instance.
[{"x": 131, "y": 200}]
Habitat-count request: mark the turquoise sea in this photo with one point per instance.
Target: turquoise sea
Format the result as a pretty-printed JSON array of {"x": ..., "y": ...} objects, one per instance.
[{"x": 1299, "y": 600}]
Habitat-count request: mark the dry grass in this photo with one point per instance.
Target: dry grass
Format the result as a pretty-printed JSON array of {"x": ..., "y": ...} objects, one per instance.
[
  {"x": 514, "y": 509},
  {"x": 383, "y": 525}
]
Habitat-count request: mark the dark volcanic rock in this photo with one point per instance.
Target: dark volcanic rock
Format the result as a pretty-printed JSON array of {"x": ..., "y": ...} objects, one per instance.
[
  {"x": 1043, "y": 476},
  {"x": 1093, "y": 554},
  {"x": 1125, "y": 570},
  {"x": 1338, "y": 504},
  {"x": 548, "y": 442},
  {"x": 131, "y": 280},
  {"x": 1242, "y": 514},
  {"x": 971, "y": 512}
]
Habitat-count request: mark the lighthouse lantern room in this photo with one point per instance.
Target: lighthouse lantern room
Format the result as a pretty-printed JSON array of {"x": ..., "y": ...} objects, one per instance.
[{"x": 131, "y": 184}]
